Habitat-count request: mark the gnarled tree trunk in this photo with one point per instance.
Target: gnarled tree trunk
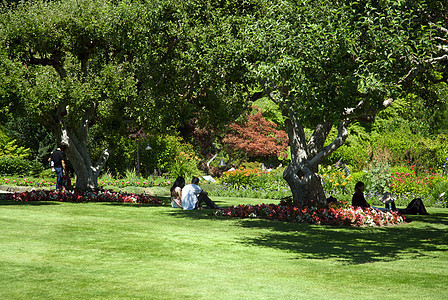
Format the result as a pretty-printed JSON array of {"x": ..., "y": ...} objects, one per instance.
[
  {"x": 75, "y": 140},
  {"x": 302, "y": 173},
  {"x": 86, "y": 172}
]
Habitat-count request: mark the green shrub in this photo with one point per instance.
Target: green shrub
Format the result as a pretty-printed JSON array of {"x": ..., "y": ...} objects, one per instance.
[
  {"x": 336, "y": 181},
  {"x": 9, "y": 147},
  {"x": 439, "y": 192},
  {"x": 353, "y": 152},
  {"x": 240, "y": 177},
  {"x": 401, "y": 169},
  {"x": 378, "y": 177},
  {"x": 17, "y": 166},
  {"x": 170, "y": 154},
  {"x": 47, "y": 173},
  {"x": 185, "y": 164},
  {"x": 255, "y": 179},
  {"x": 35, "y": 168}
]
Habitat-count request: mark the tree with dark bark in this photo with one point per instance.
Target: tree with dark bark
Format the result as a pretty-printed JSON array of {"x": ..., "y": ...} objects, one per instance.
[
  {"x": 59, "y": 68},
  {"x": 330, "y": 63},
  {"x": 73, "y": 64}
]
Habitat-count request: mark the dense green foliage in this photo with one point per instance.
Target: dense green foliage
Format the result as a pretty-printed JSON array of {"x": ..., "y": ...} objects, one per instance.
[
  {"x": 17, "y": 166},
  {"x": 9, "y": 147},
  {"x": 94, "y": 72}
]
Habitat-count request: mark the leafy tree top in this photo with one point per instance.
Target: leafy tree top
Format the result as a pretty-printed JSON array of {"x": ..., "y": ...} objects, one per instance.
[{"x": 257, "y": 137}]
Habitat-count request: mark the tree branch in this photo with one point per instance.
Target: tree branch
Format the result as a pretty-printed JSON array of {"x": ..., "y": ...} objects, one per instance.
[
  {"x": 319, "y": 136},
  {"x": 84, "y": 124},
  {"x": 100, "y": 163},
  {"x": 337, "y": 142}
]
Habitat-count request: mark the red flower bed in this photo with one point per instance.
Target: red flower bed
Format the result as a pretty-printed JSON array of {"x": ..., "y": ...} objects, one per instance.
[
  {"x": 78, "y": 196},
  {"x": 332, "y": 215}
]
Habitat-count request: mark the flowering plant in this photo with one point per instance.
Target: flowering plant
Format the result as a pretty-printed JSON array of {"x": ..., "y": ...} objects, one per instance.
[
  {"x": 336, "y": 179},
  {"x": 79, "y": 196},
  {"x": 138, "y": 183},
  {"x": 38, "y": 182},
  {"x": 332, "y": 215},
  {"x": 240, "y": 177}
]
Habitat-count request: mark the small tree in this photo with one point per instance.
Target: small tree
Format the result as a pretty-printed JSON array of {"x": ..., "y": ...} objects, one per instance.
[{"x": 256, "y": 137}]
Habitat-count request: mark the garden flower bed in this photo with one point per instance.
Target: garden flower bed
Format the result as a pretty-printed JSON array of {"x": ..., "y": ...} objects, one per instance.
[
  {"x": 332, "y": 215},
  {"x": 78, "y": 196}
]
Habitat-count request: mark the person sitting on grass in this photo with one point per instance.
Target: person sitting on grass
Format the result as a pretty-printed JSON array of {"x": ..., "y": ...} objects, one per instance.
[
  {"x": 358, "y": 199},
  {"x": 415, "y": 207},
  {"x": 193, "y": 196},
  {"x": 176, "y": 192}
]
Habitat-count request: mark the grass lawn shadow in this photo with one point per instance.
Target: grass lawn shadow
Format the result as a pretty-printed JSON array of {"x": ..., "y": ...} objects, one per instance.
[
  {"x": 35, "y": 203},
  {"x": 351, "y": 245}
]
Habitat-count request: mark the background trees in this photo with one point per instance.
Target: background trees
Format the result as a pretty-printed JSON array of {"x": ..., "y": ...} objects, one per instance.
[
  {"x": 59, "y": 60},
  {"x": 95, "y": 66},
  {"x": 95, "y": 71}
]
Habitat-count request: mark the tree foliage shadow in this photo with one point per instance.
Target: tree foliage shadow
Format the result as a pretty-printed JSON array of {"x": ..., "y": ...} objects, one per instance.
[
  {"x": 351, "y": 245},
  {"x": 33, "y": 203}
]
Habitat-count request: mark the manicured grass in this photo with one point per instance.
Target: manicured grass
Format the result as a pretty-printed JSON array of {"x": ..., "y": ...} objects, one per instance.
[{"x": 52, "y": 250}]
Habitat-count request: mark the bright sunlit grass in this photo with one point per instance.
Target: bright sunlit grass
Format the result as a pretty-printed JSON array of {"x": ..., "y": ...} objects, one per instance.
[{"x": 52, "y": 250}]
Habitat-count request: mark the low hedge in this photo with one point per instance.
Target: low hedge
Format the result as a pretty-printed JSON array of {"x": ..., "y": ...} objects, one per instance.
[{"x": 17, "y": 166}]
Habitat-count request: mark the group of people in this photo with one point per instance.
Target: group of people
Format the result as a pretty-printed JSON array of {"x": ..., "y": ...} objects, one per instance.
[
  {"x": 416, "y": 206},
  {"x": 190, "y": 196}
]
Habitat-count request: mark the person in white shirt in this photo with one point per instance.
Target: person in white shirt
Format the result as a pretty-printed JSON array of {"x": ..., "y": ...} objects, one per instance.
[{"x": 193, "y": 196}]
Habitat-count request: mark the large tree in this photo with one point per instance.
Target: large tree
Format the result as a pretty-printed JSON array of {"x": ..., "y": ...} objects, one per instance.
[
  {"x": 329, "y": 63},
  {"x": 59, "y": 67},
  {"x": 121, "y": 64}
]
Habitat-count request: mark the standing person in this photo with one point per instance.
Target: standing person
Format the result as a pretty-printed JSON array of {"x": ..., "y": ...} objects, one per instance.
[
  {"x": 176, "y": 192},
  {"x": 193, "y": 196},
  {"x": 58, "y": 158},
  {"x": 358, "y": 199}
]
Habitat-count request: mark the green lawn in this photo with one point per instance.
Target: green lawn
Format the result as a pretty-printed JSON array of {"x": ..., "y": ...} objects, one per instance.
[{"x": 53, "y": 250}]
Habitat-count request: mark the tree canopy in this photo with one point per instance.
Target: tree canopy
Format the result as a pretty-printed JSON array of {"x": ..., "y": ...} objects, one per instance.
[
  {"x": 117, "y": 64},
  {"x": 160, "y": 64},
  {"x": 331, "y": 63}
]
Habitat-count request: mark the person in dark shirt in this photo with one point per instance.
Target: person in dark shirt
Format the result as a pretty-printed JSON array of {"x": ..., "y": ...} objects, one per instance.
[
  {"x": 358, "y": 199},
  {"x": 415, "y": 207},
  {"x": 58, "y": 158}
]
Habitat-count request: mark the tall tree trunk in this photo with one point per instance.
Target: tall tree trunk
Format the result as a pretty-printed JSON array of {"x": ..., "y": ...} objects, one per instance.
[
  {"x": 86, "y": 172},
  {"x": 306, "y": 186},
  {"x": 302, "y": 172},
  {"x": 76, "y": 141}
]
